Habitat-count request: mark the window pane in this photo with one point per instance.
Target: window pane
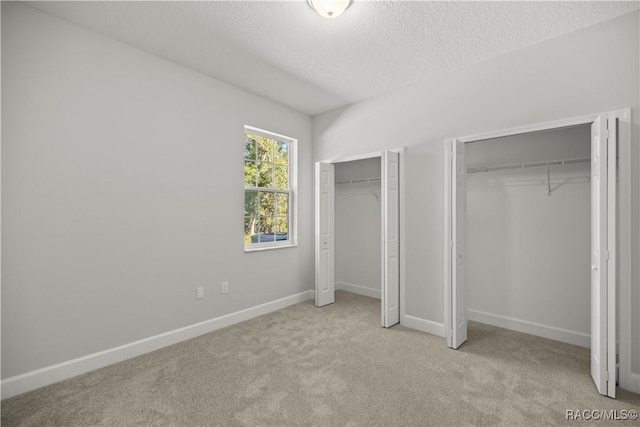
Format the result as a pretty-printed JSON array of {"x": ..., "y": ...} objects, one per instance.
[
  {"x": 281, "y": 176},
  {"x": 265, "y": 149},
  {"x": 250, "y": 173},
  {"x": 266, "y": 224},
  {"x": 282, "y": 204},
  {"x": 265, "y": 175},
  {"x": 249, "y": 147},
  {"x": 267, "y": 204},
  {"x": 282, "y": 227},
  {"x": 250, "y": 227},
  {"x": 250, "y": 203},
  {"x": 281, "y": 152}
]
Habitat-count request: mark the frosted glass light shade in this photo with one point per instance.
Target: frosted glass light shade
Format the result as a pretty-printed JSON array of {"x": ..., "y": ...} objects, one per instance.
[{"x": 330, "y": 8}]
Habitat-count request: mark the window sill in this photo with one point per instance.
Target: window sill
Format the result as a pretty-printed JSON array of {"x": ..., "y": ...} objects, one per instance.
[{"x": 268, "y": 248}]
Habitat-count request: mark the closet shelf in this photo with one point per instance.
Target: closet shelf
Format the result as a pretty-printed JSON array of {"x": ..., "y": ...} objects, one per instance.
[
  {"x": 528, "y": 165},
  {"x": 353, "y": 181}
]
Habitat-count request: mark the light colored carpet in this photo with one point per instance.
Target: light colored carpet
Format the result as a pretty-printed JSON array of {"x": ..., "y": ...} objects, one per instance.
[{"x": 330, "y": 366}]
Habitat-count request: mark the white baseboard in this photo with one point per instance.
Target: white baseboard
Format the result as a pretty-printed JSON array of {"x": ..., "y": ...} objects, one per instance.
[
  {"x": 423, "y": 325},
  {"x": 51, "y": 374},
  {"x": 358, "y": 289},
  {"x": 550, "y": 332}
]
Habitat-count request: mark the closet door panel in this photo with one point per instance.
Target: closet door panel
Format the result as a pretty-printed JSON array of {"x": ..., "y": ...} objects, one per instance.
[
  {"x": 324, "y": 240},
  {"x": 603, "y": 214},
  {"x": 455, "y": 213},
  {"x": 390, "y": 239}
]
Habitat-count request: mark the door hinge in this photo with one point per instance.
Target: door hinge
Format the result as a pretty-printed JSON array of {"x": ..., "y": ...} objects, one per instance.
[
  {"x": 608, "y": 255},
  {"x": 450, "y": 243}
]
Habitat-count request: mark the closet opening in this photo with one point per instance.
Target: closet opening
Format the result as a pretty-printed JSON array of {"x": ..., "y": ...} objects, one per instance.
[
  {"x": 358, "y": 230},
  {"x": 530, "y": 234},
  {"x": 358, "y": 222}
]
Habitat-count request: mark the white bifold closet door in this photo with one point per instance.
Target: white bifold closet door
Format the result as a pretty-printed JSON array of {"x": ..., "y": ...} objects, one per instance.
[
  {"x": 390, "y": 239},
  {"x": 603, "y": 266},
  {"x": 325, "y": 248},
  {"x": 455, "y": 214}
]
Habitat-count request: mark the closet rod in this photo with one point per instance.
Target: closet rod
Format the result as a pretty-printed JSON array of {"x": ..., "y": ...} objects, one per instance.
[
  {"x": 527, "y": 165},
  {"x": 353, "y": 181}
]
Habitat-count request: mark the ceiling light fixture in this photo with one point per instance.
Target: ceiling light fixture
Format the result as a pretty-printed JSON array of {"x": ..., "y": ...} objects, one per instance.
[{"x": 330, "y": 8}]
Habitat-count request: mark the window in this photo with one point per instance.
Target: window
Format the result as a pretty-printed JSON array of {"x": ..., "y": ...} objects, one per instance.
[{"x": 269, "y": 183}]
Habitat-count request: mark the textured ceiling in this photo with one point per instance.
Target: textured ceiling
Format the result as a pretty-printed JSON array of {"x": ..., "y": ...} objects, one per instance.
[{"x": 285, "y": 52}]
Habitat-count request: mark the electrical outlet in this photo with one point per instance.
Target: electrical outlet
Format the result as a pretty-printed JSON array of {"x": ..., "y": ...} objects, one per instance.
[
  {"x": 224, "y": 287},
  {"x": 200, "y": 292}
]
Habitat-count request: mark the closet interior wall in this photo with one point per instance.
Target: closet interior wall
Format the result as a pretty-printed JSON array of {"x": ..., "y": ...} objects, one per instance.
[
  {"x": 358, "y": 226},
  {"x": 528, "y": 251}
]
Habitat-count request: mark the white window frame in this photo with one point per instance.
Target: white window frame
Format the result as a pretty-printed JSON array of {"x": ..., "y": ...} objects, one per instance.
[{"x": 292, "y": 192}]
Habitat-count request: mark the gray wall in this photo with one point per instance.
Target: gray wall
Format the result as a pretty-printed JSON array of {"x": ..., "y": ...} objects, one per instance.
[
  {"x": 588, "y": 71},
  {"x": 528, "y": 253},
  {"x": 358, "y": 224},
  {"x": 122, "y": 191}
]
